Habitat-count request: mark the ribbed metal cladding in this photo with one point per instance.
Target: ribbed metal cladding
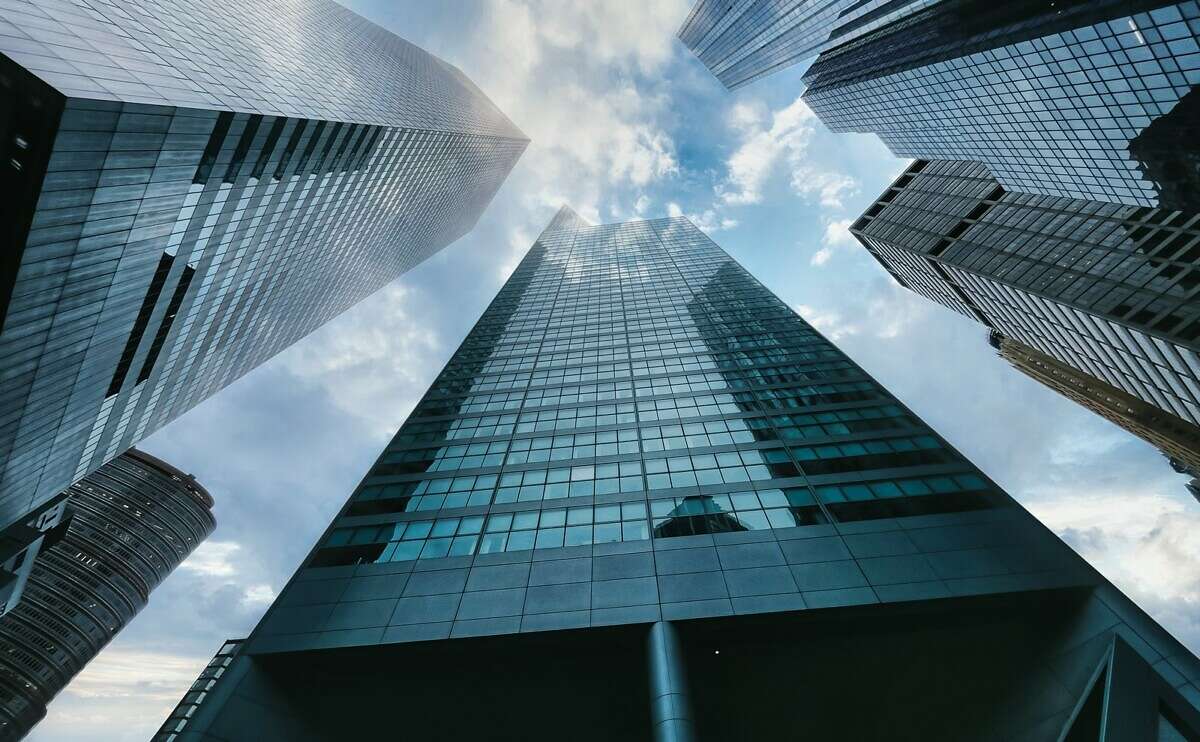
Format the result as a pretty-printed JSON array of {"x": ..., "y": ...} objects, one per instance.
[{"x": 135, "y": 519}]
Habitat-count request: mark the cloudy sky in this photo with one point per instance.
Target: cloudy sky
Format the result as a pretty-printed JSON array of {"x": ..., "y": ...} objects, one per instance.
[{"x": 624, "y": 124}]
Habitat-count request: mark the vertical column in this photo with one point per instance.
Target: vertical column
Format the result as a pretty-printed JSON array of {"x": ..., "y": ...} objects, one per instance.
[{"x": 670, "y": 707}]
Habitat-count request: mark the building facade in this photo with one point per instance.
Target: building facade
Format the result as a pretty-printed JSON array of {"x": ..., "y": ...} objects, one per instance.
[
  {"x": 1178, "y": 440},
  {"x": 193, "y": 186},
  {"x": 745, "y": 40},
  {"x": 1090, "y": 100},
  {"x": 1056, "y": 196},
  {"x": 1078, "y": 100},
  {"x": 646, "y": 500},
  {"x": 22, "y": 542},
  {"x": 134, "y": 520},
  {"x": 1110, "y": 292}
]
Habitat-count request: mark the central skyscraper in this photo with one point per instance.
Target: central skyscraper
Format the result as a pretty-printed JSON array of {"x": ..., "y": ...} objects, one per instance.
[
  {"x": 646, "y": 500},
  {"x": 190, "y": 187}
]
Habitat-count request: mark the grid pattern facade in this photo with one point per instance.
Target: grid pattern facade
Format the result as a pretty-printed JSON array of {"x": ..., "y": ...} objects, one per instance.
[
  {"x": 630, "y": 380},
  {"x": 638, "y": 430},
  {"x": 745, "y": 40},
  {"x": 1110, "y": 290},
  {"x": 135, "y": 520},
  {"x": 172, "y": 248},
  {"x": 1061, "y": 114},
  {"x": 635, "y": 434},
  {"x": 309, "y": 59}
]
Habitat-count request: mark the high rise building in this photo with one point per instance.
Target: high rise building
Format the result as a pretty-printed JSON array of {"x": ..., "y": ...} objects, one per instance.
[
  {"x": 1091, "y": 100},
  {"x": 23, "y": 541},
  {"x": 646, "y": 500},
  {"x": 745, "y": 40},
  {"x": 190, "y": 187},
  {"x": 135, "y": 519},
  {"x": 1100, "y": 301},
  {"x": 1078, "y": 99},
  {"x": 1055, "y": 198},
  {"x": 1178, "y": 440}
]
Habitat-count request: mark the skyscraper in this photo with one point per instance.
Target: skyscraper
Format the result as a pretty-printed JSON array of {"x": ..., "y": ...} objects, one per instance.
[
  {"x": 1082, "y": 100},
  {"x": 1090, "y": 100},
  {"x": 190, "y": 187},
  {"x": 743, "y": 41},
  {"x": 1178, "y": 440},
  {"x": 135, "y": 519},
  {"x": 1109, "y": 291},
  {"x": 644, "y": 499}
]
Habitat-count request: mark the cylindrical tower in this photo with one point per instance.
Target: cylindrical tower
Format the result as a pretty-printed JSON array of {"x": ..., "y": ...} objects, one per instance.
[{"x": 135, "y": 519}]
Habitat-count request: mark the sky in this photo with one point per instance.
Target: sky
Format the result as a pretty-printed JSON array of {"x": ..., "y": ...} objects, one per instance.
[{"x": 624, "y": 123}]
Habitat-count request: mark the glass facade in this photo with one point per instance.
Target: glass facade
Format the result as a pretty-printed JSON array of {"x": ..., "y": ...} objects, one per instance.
[
  {"x": 135, "y": 519},
  {"x": 1078, "y": 100},
  {"x": 198, "y": 185},
  {"x": 745, "y": 40},
  {"x": 632, "y": 380},
  {"x": 1109, "y": 290},
  {"x": 637, "y": 434}
]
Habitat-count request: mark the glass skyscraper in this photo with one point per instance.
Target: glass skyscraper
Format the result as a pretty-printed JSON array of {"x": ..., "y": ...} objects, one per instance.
[
  {"x": 646, "y": 500},
  {"x": 1111, "y": 291},
  {"x": 1089, "y": 100},
  {"x": 134, "y": 520},
  {"x": 189, "y": 188},
  {"x": 744, "y": 40}
]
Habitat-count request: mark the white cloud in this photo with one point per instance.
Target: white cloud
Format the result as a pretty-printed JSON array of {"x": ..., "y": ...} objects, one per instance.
[
  {"x": 122, "y": 695},
  {"x": 708, "y": 221},
  {"x": 519, "y": 241},
  {"x": 837, "y": 233},
  {"x": 831, "y": 323},
  {"x": 122, "y": 672},
  {"x": 582, "y": 80},
  {"x": 623, "y": 34},
  {"x": 821, "y": 257},
  {"x": 884, "y": 312},
  {"x": 829, "y": 188},
  {"x": 258, "y": 595},
  {"x": 213, "y": 559},
  {"x": 768, "y": 141},
  {"x": 762, "y": 147},
  {"x": 377, "y": 364},
  {"x": 219, "y": 566},
  {"x": 893, "y": 311},
  {"x": 1148, "y": 545},
  {"x": 836, "y": 236}
]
